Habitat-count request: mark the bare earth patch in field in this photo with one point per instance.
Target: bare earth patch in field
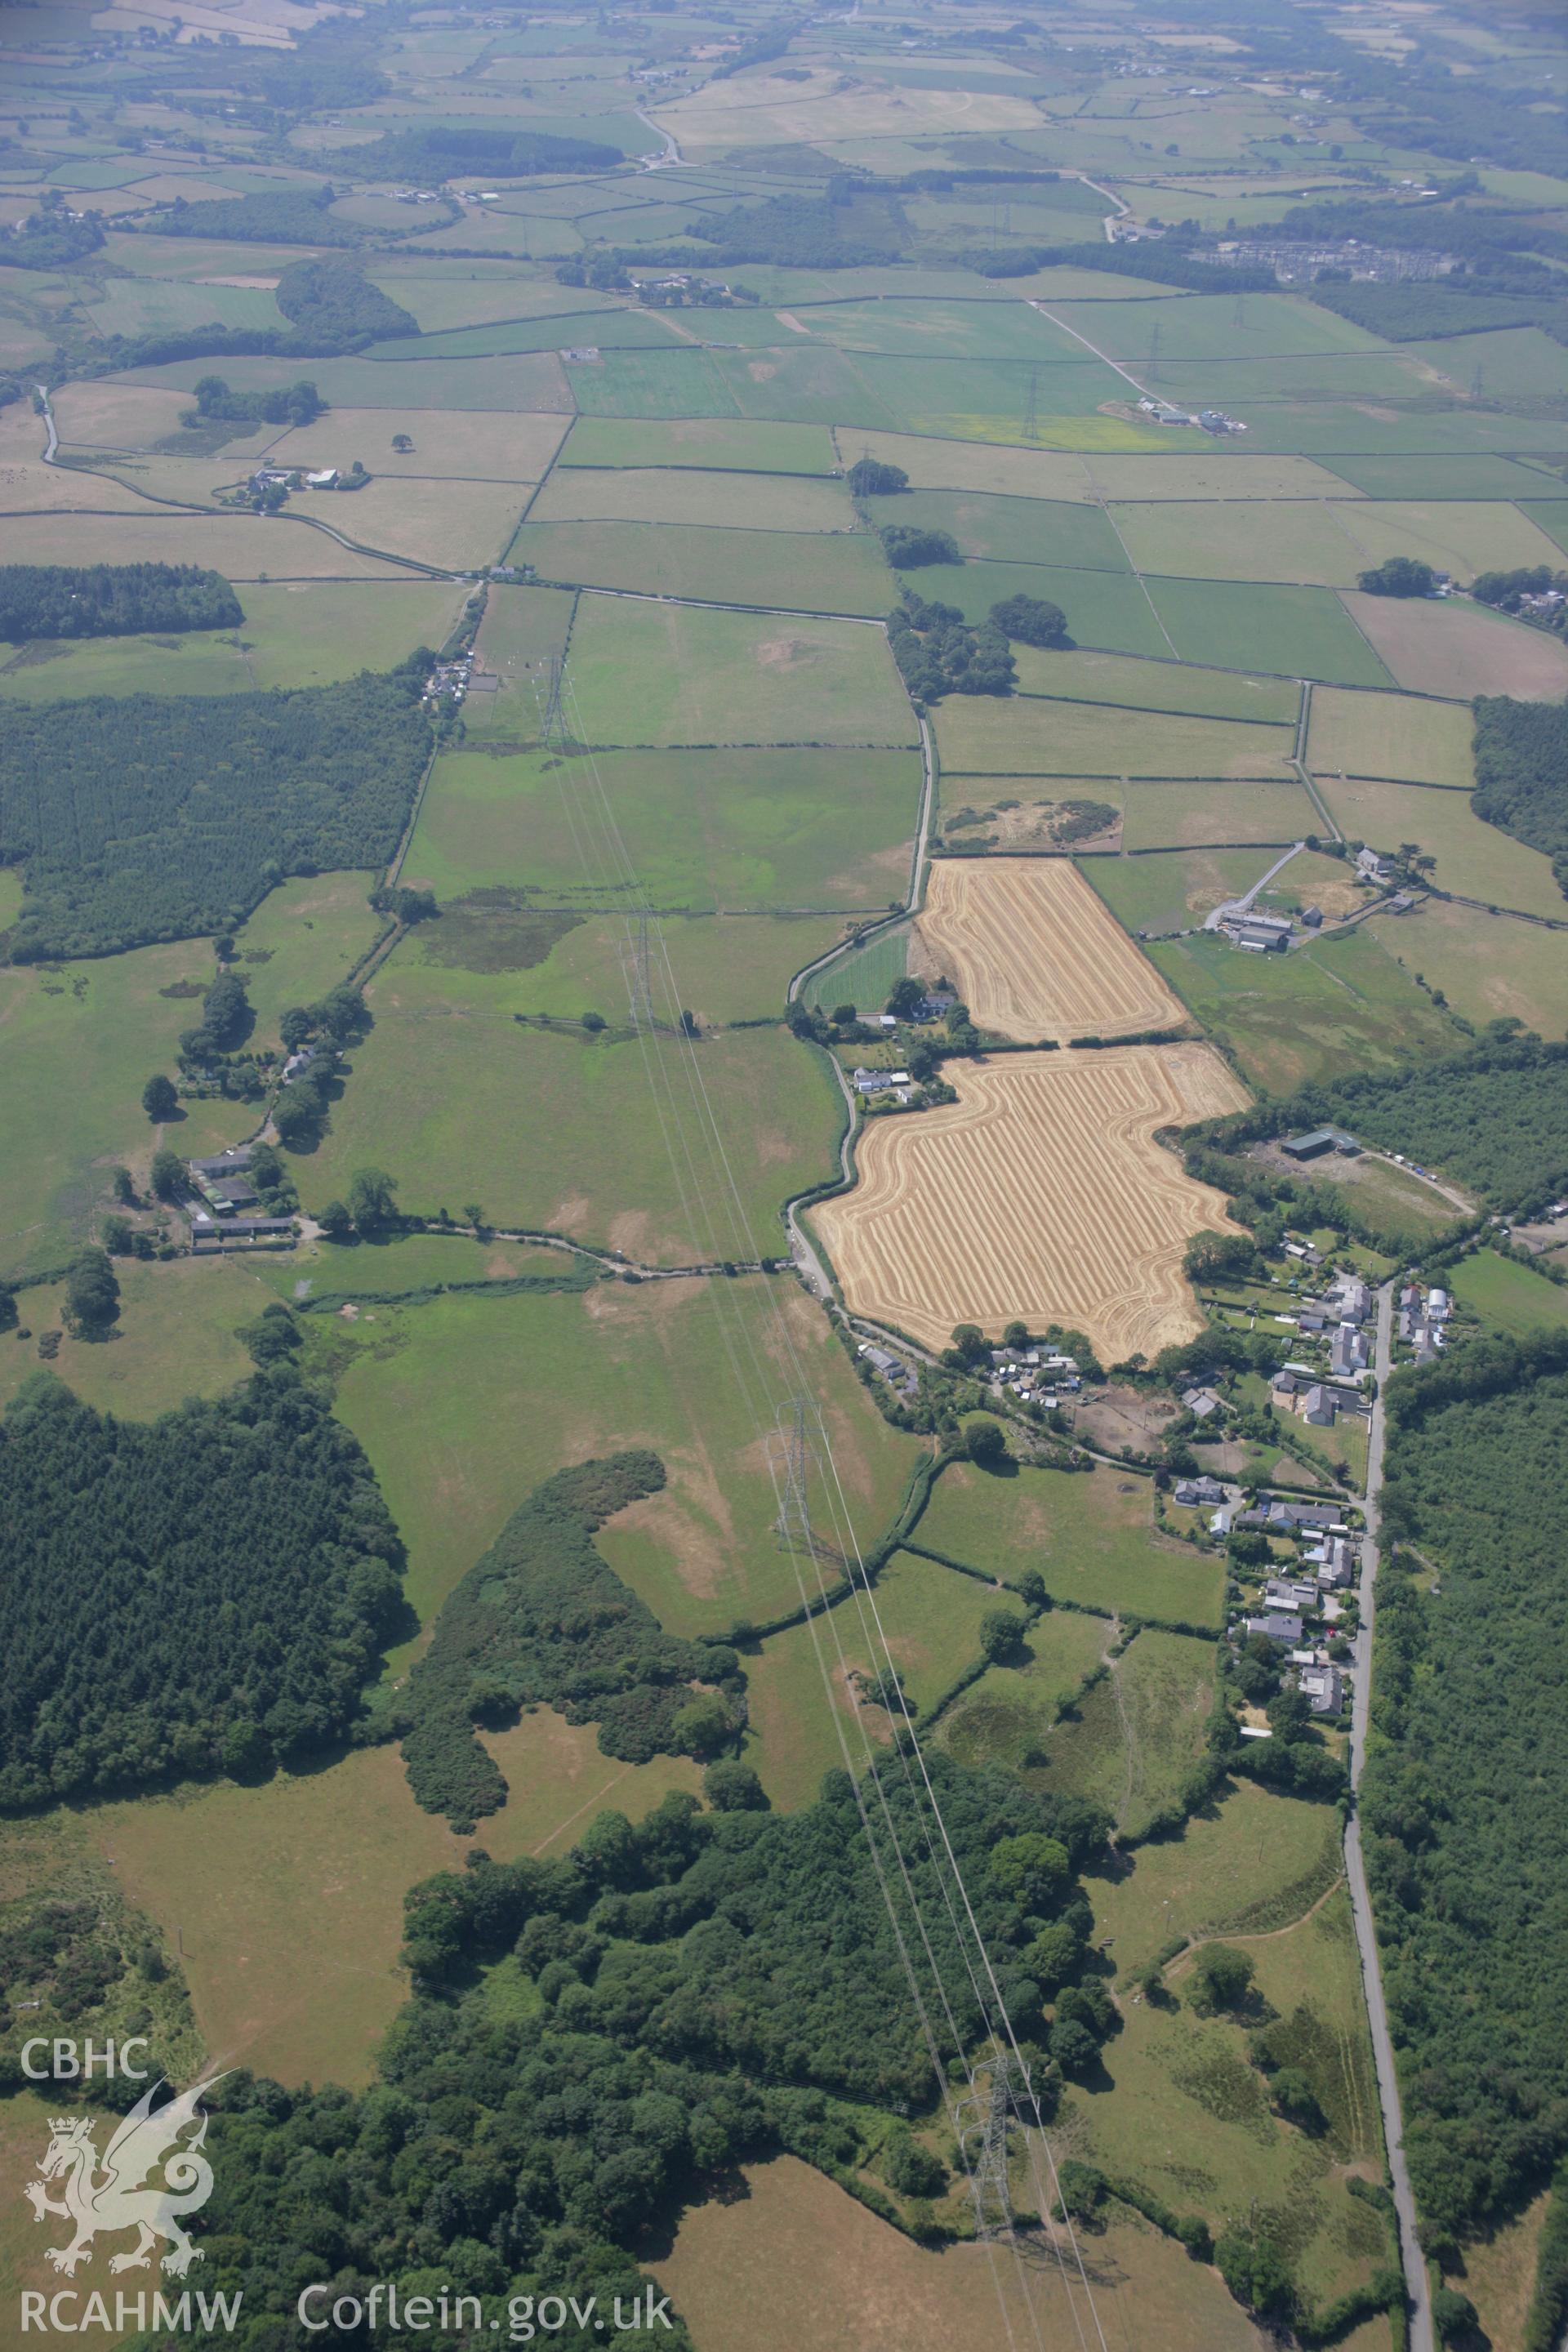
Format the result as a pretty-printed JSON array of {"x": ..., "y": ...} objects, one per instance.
[
  {"x": 1460, "y": 650},
  {"x": 1040, "y": 1194},
  {"x": 1036, "y": 954}
]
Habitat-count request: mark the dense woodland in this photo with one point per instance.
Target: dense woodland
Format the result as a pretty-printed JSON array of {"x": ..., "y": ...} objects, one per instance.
[
  {"x": 1465, "y": 1790},
  {"x": 938, "y": 653},
  {"x": 332, "y": 300},
  {"x": 704, "y": 1988},
  {"x": 1521, "y": 773},
  {"x": 206, "y": 1591},
  {"x": 284, "y": 216},
  {"x": 141, "y": 817},
  {"x": 544, "y": 1618},
  {"x": 111, "y": 600},
  {"x": 1495, "y": 1118}
]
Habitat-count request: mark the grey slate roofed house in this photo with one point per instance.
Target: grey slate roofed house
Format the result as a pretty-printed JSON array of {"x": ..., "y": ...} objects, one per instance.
[{"x": 1278, "y": 1625}]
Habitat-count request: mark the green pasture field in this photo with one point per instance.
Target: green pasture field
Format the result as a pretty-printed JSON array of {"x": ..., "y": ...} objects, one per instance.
[
  {"x": 978, "y": 467},
  {"x": 109, "y": 1023},
  {"x": 803, "y": 1713},
  {"x": 1216, "y": 328},
  {"x": 722, "y": 968},
  {"x": 1298, "y": 632},
  {"x": 1553, "y": 521},
  {"x": 241, "y": 546},
  {"x": 1006, "y": 1716},
  {"x": 1219, "y": 471},
  {"x": 1514, "y": 363},
  {"x": 618, "y": 329},
  {"x": 1476, "y": 859},
  {"x": 1188, "y": 2114},
  {"x": 1456, "y": 536},
  {"x": 793, "y": 829},
  {"x": 1392, "y": 735},
  {"x": 1506, "y": 1296},
  {"x": 664, "y": 495},
  {"x": 572, "y": 1375},
  {"x": 1135, "y": 1737},
  {"x": 520, "y": 382},
  {"x": 1008, "y": 530},
  {"x": 706, "y": 443},
  {"x": 934, "y": 329},
  {"x": 805, "y": 570},
  {"x": 304, "y": 939},
  {"x": 1490, "y": 967},
  {"x": 653, "y": 674},
  {"x": 1025, "y": 735},
  {"x": 1109, "y": 609},
  {"x": 1292, "y": 540},
  {"x": 866, "y": 977},
  {"x": 1177, "y": 816},
  {"x": 1172, "y": 889},
  {"x": 305, "y": 633},
  {"x": 684, "y": 383},
  {"x": 1354, "y": 428},
  {"x": 556, "y": 1132},
  {"x": 467, "y": 444},
  {"x": 149, "y": 306},
  {"x": 174, "y": 1338},
  {"x": 1447, "y": 478},
  {"x": 523, "y": 630},
  {"x": 442, "y": 295},
  {"x": 1397, "y": 1203},
  {"x": 1252, "y": 1865},
  {"x": 1382, "y": 372},
  {"x": 1340, "y": 1004},
  {"x": 1091, "y": 1537},
  {"x": 399, "y": 1261},
  {"x": 932, "y": 1619},
  {"x": 1154, "y": 686},
  {"x": 949, "y": 396}
]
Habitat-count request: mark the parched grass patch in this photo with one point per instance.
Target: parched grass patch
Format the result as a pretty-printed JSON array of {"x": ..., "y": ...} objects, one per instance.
[
  {"x": 1254, "y": 1864},
  {"x": 1006, "y": 1716},
  {"x": 1138, "y": 1732},
  {"x": 459, "y": 444},
  {"x": 174, "y": 1338},
  {"x": 1160, "y": 685},
  {"x": 1227, "y": 473},
  {"x": 1009, "y": 529},
  {"x": 571, "y": 1376},
  {"x": 1296, "y": 541},
  {"x": 799, "y": 829},
  {"x": 1025, "y": 735},
  {"x": 1298, "y": 632},
  {"x": 242, "y": 547},
  {"x": 1090, "y": 1535},
  {"x": 1170, "y": 816},
  {"x": 1394, "y": 735},
  {"x": 557, "y": 1131},
  {"x": 702, "y": 442},
  {"x": 804, "y": 1711},
  {"x": 1489, "y": 966},
  {"x": 658, "y": 673},
  {"x": 684, "y": 495},
  {"x": 808, "y": 571},
  {"x": 1457, "y": 536},
  {"x": 1459, "y": 650},
  {"x": 1476, "y": 859},
  {"x": 975, "y": 466},
  {"x": 1340, "y": 1003}
]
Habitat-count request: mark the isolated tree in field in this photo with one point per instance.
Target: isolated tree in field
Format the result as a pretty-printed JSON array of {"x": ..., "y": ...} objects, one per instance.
[
  {"x": 908, "y": 546},
  {"x": 594, "y": 1023},
  {"x": 92, "y": 1296},
  {"x": 905, "y": 998},
  {"x": 870, "y": 479},
  {"x": 168, "y": 1178},
  {"x": 1000, "y": 1630},
  {"x": 844, "y": 1016},
  {"x": 970, "y": 1341},
  {"x": 1222, "y": 1978},
  {"x": 121, "y": 1185},
  {"x": 335, "y": 1221},
  {"x": 402, "y": 443},
  {"x": 1402, "y": 575},
  {"x": 1030, "y": 620},
  {"x": 985, "y": 1440},
  {"x": 159, "y": 1099},
  {"x": 1295, "y": 2099},
  {"x": 373, "y": 1199}
]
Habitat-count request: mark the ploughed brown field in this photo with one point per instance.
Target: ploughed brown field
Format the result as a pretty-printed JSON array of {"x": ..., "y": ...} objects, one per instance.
[
  {"x": 1041, "y": 1194},
  {"x": 1033, "y": 953}
]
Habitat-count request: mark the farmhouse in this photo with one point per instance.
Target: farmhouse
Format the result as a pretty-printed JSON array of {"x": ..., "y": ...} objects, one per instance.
[
  {"x": 1196, "y": 1491},
  {"x": 1322, "y": 1687}
]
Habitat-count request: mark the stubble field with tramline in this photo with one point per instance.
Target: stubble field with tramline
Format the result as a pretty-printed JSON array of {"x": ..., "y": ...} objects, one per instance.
[
  {"x": 1036, "y": 954},
  {"x": 1041, "y": 1193}
]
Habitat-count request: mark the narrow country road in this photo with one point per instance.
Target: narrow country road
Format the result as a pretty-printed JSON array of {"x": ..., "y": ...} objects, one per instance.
[{"x": 1422, "y": 2335}]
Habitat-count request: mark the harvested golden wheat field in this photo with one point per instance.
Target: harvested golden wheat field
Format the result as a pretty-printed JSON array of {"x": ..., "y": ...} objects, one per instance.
[
  {"x": 1040, "y": 1194},
  {"x": 1036, "y": 954}
]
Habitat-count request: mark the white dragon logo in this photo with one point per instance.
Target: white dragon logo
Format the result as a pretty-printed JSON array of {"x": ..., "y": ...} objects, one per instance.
[{"x": 121, "y": 2197}]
